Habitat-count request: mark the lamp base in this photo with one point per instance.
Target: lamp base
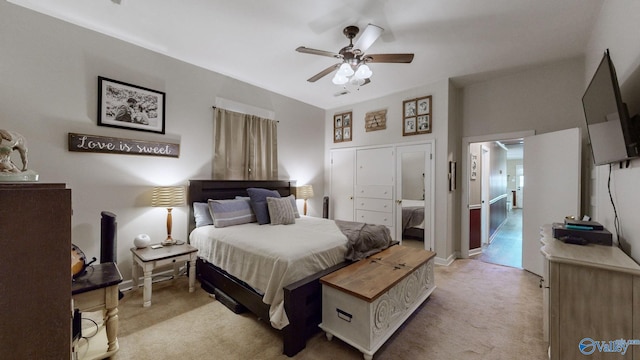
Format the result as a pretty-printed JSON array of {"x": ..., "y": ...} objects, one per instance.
[
  {"x": 171, "y": 241},
  {"x": 168, "y": 242}
]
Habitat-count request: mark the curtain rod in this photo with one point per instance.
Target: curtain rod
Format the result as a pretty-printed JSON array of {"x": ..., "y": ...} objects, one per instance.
[{"x": 215, "y": 107}]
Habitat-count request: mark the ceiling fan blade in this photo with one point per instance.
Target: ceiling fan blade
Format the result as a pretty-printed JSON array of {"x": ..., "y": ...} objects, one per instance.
[
  {"x": 368, "y": 37},
  {"x": 323, "y": 73},
  {"x": 389, "y": 58},
  {"x": 311, "y": 51}
]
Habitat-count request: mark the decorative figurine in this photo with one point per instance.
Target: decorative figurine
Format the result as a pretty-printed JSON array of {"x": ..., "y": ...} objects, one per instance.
[{"x": 11, "y": 141}]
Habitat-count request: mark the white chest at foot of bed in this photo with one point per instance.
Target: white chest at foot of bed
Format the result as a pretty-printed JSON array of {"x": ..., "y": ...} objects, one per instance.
[{"x": 366, "y": 302}]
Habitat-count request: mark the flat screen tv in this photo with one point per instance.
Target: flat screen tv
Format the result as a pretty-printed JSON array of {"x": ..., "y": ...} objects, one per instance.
[{"x": 613, "y": 134}]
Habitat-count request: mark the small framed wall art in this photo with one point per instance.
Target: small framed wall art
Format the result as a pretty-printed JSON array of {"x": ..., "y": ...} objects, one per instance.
[
  {"x": 416, "y": 116},
  {"x": 375, "y": 120},
  {"x": 129, "y": 106},
  {"x": 342, "y": 126}
]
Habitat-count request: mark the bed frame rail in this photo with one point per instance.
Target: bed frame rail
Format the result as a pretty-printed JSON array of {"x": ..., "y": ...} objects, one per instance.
[{"x": 303, "y": 305}]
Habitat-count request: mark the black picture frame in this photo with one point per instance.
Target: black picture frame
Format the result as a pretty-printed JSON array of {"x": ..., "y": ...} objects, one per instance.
[{"x": 128, "y": 106}]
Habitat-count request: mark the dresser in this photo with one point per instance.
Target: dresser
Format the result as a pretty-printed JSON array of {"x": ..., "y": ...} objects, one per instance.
[
  {"x": 366, "y": 302},
  {"x": 35, "y": 222},
  {"x": 591, "y": 301}
]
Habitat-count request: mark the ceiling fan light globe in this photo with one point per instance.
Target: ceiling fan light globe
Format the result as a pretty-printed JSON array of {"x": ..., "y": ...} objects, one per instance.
[
  {"x": 345, "y": 70},
  {"x": 356, "y": 81},
  {"x": 339, "y": 80},
  {"x": 363, "y": 72}
]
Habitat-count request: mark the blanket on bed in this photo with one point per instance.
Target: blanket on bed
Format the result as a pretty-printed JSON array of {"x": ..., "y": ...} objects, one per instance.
[
  {"x": 364, "y": 239},
  {"x": 412, "y": 216}
]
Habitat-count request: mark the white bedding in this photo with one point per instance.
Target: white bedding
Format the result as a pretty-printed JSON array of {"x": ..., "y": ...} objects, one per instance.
[{"x": 269, "y": 257}]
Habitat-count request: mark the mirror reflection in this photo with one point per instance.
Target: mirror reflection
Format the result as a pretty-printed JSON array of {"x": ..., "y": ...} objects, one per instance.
[{"x": 413, "y": 194}]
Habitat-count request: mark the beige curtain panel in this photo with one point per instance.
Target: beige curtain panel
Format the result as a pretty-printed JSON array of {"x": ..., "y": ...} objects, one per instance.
[{"x": 245, "y": 147}]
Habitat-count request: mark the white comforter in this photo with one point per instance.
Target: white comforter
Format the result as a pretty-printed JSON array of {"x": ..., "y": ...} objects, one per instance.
[{"x": 269, "y": 257}]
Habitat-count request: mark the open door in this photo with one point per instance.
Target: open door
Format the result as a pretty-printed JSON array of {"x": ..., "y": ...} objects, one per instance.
[{"x": 552, "y": 163}]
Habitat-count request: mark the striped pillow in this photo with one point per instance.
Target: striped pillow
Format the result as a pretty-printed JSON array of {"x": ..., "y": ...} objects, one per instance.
[
  {"x": 281, "y": 211},
  {"x": 231, "y": 212}
]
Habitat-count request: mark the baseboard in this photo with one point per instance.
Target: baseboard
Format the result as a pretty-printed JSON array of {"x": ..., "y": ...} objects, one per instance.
[
  {"x": 476, "y": 251},
  {"x": 445, "y": 262}
]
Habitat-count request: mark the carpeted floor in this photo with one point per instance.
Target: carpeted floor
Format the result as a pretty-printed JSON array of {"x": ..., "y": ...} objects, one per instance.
[{"x": 477, "y": 311}]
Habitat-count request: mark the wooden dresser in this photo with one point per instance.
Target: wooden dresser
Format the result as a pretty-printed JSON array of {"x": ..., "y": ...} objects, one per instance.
[
  {"x": 35, "y": 223},
  {"x": 366, "y": 302},
  {"x": 591, "y": 300}
]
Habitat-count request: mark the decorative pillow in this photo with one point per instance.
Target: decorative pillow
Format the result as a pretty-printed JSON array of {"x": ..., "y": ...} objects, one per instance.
[
  {"x": 280, "y": 211},
  {"x": 231, "y": 212},
  {"x": 201, "y": 214},
  {"x": 295, "y": 206},
  {"x": 259, "y": 203}
]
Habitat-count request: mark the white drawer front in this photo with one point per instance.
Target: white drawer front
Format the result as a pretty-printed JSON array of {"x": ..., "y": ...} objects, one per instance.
[
  {"x": 375, "y": 191},
  {"x": 375, "y": 217},
  {"x": 382, "y": 205}
]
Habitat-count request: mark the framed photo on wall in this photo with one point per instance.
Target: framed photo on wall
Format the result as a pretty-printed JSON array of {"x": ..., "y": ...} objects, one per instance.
[
  {"x": 416, "y": 116},
  {"x": 129, "y": 106},
  {"x": 342, "y": 125}
]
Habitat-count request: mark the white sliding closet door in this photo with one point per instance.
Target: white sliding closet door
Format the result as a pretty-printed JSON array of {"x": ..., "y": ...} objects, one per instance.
[{"x": 342, "y": 184}]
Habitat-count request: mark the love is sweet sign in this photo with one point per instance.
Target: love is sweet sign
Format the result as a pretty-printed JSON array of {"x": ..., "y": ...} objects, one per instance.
[{"x": 102, "y": 144}]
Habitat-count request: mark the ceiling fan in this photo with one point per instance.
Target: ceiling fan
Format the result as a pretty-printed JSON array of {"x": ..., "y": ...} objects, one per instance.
[{"x": 353, "y": 69}]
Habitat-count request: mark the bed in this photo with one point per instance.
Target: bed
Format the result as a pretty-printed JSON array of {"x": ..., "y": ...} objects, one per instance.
[
  {"x": 294, "y": 299},
  {"x": 413, "y": 219}
]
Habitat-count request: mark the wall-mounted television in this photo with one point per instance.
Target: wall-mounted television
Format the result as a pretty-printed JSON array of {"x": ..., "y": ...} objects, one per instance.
[{"x": 613, "y": 134}]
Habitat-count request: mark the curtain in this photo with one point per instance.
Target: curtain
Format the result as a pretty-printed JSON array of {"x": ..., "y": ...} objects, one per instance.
[{"x": 245, "y": 147}]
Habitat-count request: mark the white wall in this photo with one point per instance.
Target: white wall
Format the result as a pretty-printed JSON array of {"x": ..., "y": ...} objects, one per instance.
[
  {"x": 49, "y": 72},
  {"x": 617, "y": 29},
  {"x": 444, "y": 239}
]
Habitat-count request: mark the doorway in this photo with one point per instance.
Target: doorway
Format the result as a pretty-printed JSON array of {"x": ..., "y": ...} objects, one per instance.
[
  {"x": 502, "y": 179},
  {"x": 494, "y": 191}
]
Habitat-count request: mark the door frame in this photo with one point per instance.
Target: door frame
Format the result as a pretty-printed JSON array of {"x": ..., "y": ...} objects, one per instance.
[{"x": 466, "y": 160}]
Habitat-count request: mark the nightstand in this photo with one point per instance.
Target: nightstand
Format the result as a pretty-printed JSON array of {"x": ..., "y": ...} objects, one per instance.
[
  {"x": 149, "y": 258},
  {"x": 98, "y": 290}
]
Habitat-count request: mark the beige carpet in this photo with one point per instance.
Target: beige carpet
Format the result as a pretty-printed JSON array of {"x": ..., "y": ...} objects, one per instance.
[{"x": 478, "y": 311}]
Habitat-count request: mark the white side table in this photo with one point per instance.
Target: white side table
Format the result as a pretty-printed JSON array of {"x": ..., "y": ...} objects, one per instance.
[{"x": 148, "y": 259}]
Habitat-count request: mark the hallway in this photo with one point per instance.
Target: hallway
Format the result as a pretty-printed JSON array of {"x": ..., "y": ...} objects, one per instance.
[{"x": 506, "y": 246}]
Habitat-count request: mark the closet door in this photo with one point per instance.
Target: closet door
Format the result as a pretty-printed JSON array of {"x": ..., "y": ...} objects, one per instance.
[
  {"x": 342, "y": 184},
  {"x": 375, "y": 172}
]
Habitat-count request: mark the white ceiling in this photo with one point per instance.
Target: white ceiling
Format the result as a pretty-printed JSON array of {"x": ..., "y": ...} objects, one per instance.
[{"x": 255, "y": 41}]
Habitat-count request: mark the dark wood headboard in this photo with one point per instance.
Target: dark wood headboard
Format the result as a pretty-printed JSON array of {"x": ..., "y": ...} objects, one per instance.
[{"x": 203, "y": 190}]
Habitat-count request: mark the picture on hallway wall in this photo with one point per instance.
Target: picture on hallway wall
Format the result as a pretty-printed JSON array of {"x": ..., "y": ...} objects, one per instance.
[
  {"x": 474, "y": 167},
  {"x": 129, "y": 106}
]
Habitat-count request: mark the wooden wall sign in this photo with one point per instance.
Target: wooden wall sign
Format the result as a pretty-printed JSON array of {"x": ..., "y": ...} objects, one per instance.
[
  {"x": 102, "y": 144},
  {"x": 375, "y": 120}
]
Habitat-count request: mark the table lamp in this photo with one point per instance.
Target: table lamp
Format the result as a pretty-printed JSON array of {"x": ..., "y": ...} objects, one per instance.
[
  {"x": 304, "y": 192},
  {"x": 168, "y": 196}
]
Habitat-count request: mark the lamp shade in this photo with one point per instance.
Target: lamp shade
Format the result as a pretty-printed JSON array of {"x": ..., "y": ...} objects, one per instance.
[
  {"x": 168, "y": 196},
  {"x": 304, "y": 192}
]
